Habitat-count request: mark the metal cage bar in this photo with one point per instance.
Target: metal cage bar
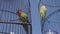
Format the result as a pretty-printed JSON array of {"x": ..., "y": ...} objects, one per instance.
[{"x": 9, "y": 19}]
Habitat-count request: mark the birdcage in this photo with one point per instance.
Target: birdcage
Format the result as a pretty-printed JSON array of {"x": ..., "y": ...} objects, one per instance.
[
  {"x": 9, "y": 19},
  {"x": 50, "y": 24}
]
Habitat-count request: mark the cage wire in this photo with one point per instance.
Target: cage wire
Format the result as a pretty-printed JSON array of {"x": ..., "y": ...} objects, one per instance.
[
  {"x": 54, "y": 22},
  {"x": 54, "y": 15},
  {"x": 9, "y": 20}
]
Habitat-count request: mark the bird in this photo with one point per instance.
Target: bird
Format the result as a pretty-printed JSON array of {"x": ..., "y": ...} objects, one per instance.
[
  {"x": 43, "y": 12},
  {"x": 23, "y": 17},
  {"x": 42, "y": 15}
]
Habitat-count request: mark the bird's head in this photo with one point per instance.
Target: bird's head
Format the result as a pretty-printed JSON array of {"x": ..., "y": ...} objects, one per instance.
[
  {"x": 43, "y": 8},
  {"x": 19, "y": 12}
]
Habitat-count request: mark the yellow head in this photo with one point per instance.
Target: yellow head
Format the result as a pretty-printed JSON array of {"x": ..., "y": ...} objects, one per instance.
[{"x": 43, "y": 8}]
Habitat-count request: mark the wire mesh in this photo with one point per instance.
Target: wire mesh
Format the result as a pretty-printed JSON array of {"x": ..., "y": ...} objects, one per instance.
[
  {"x": 52, "y": 18},
  {"x": 54, "y": 24},
  {"x": 9, "y": 20}
]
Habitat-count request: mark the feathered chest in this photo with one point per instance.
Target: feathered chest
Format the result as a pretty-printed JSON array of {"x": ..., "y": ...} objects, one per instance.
[{"x": 23, "y": 15}]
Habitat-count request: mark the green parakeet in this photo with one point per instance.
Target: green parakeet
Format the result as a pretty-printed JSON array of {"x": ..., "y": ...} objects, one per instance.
[
  {"x": 42, "y": 15},
  {"x": 42, "y": 12},
  {"x": 23, "y": 18}
]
